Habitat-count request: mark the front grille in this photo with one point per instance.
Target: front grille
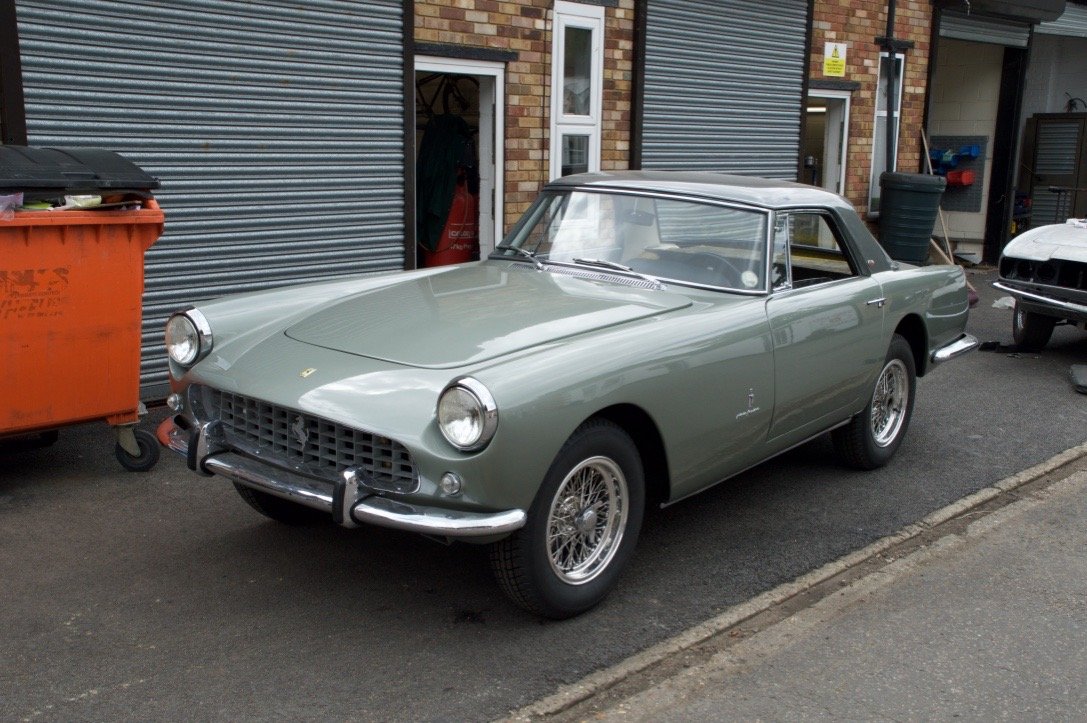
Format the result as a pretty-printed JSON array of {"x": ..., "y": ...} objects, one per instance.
[
  {"x": 309, "y": 444},
  {"x": 1054, "y": 272}
]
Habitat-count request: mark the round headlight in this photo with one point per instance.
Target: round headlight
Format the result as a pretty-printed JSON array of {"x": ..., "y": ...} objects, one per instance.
[
  {"x": 188, "y": 337},
  {"x": 467, "y": 415}
]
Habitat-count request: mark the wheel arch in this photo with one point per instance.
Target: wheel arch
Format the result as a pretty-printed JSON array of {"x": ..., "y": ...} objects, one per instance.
[
  {"x": 647, "y": 438},
  {"x": 912, "y": 329}
]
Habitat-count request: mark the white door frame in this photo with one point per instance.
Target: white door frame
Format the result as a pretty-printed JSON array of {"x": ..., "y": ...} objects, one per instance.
[
  {"x": 835, "y": 142},
  {"x": 492, "y": 93}
]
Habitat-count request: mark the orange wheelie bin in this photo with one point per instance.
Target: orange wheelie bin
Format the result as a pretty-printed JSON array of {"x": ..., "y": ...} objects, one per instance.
[{"x": 74, "y": 226}]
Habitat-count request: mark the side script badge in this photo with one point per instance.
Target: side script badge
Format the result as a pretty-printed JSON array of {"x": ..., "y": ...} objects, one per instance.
[
  {"x": 751, "y": 408},
  {"x": 305, "y": 373}
]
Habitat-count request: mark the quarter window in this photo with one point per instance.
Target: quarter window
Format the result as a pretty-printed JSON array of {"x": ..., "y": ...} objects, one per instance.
[{"x": 808, "y": 251}]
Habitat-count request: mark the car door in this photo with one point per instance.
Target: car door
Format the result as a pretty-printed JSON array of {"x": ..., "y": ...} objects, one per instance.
[{"x": 826, "y": 321}]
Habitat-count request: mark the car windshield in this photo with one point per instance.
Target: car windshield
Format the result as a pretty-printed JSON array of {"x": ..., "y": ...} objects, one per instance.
[{"x": 671, "y": 239}]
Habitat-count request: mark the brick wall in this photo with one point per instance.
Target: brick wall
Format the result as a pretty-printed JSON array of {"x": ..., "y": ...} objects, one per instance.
[
  {"x": 857, "y": 23},
  {"x": 525, "y": 27}
]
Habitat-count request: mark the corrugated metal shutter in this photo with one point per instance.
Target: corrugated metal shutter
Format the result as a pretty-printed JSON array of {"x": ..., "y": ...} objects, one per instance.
[
  {"x": 1072, "y": 23},
  {"x": 275, "y": 128},
  {"x": 984, "y": 30},
  {"x": 1056, "y": 151},
  {"x": 723, "y": 85}
]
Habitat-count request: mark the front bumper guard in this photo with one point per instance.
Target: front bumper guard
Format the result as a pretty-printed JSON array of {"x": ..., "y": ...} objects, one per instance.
[{"x": 348, "y": 502}]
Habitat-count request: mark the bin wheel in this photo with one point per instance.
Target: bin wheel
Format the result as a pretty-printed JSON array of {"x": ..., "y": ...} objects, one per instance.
[{"x": 146, "y": 459}]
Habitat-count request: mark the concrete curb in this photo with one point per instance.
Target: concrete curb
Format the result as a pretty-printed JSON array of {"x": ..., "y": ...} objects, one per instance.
[{"x": 572, "y": 694}]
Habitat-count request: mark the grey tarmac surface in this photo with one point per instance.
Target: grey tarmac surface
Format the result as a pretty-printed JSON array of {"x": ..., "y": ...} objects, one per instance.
[
  {"x": 989, "y": 623},
  {"x": 163, "y": 595}
]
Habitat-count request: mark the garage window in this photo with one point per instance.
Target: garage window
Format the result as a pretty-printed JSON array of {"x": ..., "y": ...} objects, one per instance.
[
  {"x": 577, "y": 72},
  {"x": 879, "y": 139}
]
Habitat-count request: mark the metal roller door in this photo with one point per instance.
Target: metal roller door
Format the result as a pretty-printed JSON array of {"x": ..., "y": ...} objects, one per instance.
[
  {"x": 724, "y": 82},
  {"x": 979, "y": 29},
  {"x": 275, "y": 128}
]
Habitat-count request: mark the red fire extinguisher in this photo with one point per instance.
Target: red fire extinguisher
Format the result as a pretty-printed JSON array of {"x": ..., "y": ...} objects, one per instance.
[{"x": 459, "y": 241}]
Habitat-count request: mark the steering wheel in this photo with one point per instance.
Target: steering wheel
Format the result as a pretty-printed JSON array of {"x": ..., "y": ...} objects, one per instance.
[{"x": 716, "y": 267}]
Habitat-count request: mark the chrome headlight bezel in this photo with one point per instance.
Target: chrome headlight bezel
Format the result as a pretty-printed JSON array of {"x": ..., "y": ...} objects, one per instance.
[
  {"x": 478, "y": 410},
  {"x": 188, "y": 337}
]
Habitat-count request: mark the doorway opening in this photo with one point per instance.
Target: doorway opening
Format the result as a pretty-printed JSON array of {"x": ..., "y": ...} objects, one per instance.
[
  {"x": 458, "y": 153},
  {"x": 826, "y": 140}
]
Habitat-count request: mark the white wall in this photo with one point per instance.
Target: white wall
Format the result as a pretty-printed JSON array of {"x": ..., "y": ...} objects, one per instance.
[
  {"x": 1058, "y": 65},
  {"x": 964, "y": 98}
]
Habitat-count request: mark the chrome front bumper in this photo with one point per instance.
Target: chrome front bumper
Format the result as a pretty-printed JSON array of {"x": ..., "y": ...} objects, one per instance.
[
  {"x": 346, "y": 501},
  {"x": 1078, "y": 311},
  {"x": 963, "y": 344}
]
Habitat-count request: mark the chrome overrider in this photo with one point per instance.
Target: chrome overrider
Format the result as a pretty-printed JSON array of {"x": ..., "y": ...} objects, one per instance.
[
  {"x": 959, "y": 346},
  {"x": 348, "y": 502}
]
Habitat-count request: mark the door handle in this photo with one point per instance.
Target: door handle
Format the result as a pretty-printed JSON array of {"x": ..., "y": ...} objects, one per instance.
[{"x": 878, "y": 303}]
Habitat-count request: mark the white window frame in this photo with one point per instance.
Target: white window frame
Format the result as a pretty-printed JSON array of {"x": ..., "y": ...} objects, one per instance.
[
  {"x": 589, "y": 17},
  {"x": 873, "y": 180}
]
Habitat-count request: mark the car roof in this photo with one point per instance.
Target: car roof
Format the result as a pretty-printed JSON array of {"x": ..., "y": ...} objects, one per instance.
[{"x": 750, "y": 190}]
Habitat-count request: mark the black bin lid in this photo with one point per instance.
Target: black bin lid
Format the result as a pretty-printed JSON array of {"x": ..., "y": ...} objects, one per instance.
[{"x": 69, "y": 170}]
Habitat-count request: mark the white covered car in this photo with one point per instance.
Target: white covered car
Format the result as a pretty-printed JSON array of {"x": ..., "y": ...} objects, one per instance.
[{"x": 1045, "y": 269}]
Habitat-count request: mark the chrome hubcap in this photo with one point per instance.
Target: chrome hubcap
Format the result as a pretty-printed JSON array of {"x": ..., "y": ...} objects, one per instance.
[
  {"x": 586, "y": 520},
  {"x": 889, "y": 402}
]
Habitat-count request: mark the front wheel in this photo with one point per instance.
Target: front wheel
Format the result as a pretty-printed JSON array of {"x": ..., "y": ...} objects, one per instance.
[
  {"x": 581, "y": 528},
  {"x": 1031, "y": 331},
  {"x": 871, "y": 438}
]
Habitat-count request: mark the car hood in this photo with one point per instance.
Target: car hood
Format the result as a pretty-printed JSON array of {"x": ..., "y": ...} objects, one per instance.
[
  {"x": 476, "y": 312},
  {"x": 1060, "y": 241}
]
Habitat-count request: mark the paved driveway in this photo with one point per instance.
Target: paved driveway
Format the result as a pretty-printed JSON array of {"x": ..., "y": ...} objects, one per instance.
[{"x": 126, "y": 596}]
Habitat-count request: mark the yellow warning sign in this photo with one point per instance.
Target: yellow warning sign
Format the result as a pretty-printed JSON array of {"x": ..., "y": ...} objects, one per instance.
[{"x": 834, "y": 60}]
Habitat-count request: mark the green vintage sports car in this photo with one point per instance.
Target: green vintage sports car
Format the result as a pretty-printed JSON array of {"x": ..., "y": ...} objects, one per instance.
[{"x": 638, "y": 337}]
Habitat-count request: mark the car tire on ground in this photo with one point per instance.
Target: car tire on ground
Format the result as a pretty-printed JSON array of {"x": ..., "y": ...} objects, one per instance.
[
  {"x": 871, "y": 438},
  {"x": 1031, "y": 331},
  {"x": 582, "y": 527},
  {"x": 281, "y": 510}
]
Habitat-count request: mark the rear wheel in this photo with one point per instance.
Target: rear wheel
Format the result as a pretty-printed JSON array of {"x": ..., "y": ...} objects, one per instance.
[
  {"x": 581, "y": 529},
  {"x": 281, "y": 510},
  {"x": 871, "y": 438},
  {"x": 1031, "y": 331}
]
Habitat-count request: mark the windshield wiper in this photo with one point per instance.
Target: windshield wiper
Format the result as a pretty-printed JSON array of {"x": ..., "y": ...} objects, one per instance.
[
  {"x": 615, "y": 266},
  {"x": 527, "y": 254}
]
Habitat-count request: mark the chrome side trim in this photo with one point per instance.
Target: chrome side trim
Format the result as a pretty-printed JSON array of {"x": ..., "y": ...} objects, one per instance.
[
  {"x": 384, "y": 512},
  {"x": 1038, "y": 298},
  {"x": 958, "y": 347}
]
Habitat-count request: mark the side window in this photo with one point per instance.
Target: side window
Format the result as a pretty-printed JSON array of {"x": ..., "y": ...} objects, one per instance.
[{"x": 808, "y": 251}]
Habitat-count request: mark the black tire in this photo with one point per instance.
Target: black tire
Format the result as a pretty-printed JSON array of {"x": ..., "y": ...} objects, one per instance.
[
  {"x": 281, "y": 510},
  {"x": 1031, "y": 331},
  {"x": 146, "y": 459},
  {"x": 871, "y": 438},
  {"x": 599, "y": 458}
]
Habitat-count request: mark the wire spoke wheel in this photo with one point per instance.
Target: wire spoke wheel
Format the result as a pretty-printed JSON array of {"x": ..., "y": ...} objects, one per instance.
[
  {"x": 870, "y": 438},
  {"x": 582, "y": 526},
  {"x": 586, "y": 520},
  {"x": 889, "y": 402}
]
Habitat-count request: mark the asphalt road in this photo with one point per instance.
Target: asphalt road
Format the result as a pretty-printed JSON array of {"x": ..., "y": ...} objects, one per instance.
[{"x": 162, "y": 595}]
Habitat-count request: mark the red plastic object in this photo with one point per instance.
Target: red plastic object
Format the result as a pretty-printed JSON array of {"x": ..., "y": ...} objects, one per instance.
[
  {"x": 71, "y": 286},
  {"x": 960, "y": 178},
  {"x": 459, "y": 241}
]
